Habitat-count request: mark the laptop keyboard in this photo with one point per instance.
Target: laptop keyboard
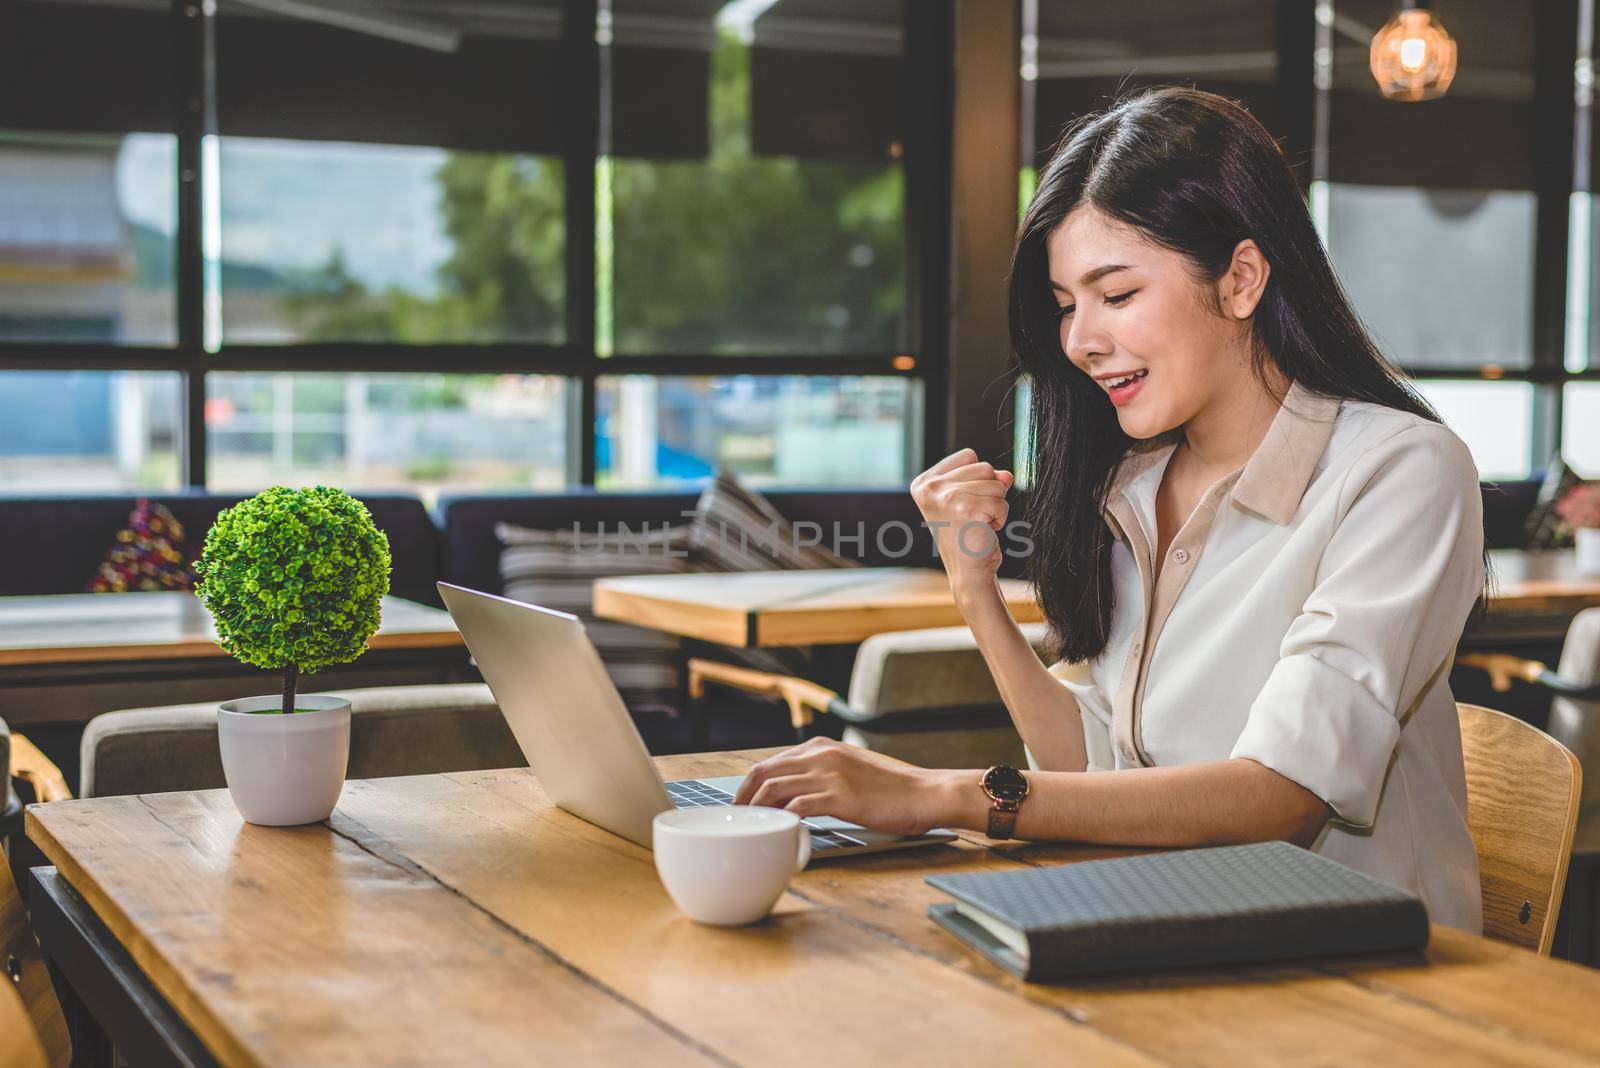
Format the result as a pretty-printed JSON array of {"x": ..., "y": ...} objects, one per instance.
[{"x": 692, "y": 793}]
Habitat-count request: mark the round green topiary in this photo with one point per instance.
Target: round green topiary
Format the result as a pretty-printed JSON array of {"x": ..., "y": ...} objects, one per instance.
[{"x": 293, "y": 580}]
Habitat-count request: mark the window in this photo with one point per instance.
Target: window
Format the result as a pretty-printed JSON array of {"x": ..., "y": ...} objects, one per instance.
[
  {"x": 1441, "y": 277},
  {"x": 352, "y": 242},
  {"x": 79, "y": 431},
  {"x": 424, "y": 433},
  {"x": 1580, "y": 429},
  {"x": 393, "y": 245},
  {"x": 399, "y": 181},
  {"x": 789, "y": 430},
  {"x": 751, "y": 196},
  {"x": 1080, "y": 57},
  {"x": 88, "y": 175},
  {"x": 1430, "y": 207},
  {"x": 1492, "y": 418}
]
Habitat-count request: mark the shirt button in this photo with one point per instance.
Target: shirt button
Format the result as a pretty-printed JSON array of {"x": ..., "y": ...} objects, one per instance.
[{"x": 1180, "y": 555}]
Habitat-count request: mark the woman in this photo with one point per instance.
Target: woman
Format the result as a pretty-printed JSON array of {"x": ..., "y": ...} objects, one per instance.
[{"x": 1255, "y": 546}]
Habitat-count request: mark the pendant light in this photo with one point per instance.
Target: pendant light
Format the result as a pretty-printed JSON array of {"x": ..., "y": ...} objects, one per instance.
[{"x": 1413, "y": 58}]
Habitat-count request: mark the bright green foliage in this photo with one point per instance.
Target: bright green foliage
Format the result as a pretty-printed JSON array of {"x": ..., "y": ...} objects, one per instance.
[{"x": 293, "y": 578}]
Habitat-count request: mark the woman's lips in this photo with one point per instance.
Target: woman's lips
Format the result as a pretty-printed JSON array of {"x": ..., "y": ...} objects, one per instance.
[{"x": 1125, "y": 394}]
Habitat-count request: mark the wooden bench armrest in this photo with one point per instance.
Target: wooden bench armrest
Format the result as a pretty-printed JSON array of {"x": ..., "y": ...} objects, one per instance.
[
  {"x": 1503, "y": 668},
  {"x": 38, "y": 771},
  {"x": 804, "y": 697}
]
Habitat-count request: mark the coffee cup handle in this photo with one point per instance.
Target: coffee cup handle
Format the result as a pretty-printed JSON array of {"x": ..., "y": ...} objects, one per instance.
[{"x": 804, "y": 855}]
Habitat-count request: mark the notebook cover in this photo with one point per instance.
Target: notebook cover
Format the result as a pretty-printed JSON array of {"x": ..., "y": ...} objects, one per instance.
[{"x": 1269, "y": 901}]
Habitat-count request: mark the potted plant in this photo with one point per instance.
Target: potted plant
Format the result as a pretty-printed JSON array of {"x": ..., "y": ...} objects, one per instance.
[
  {"x": 293, "y": 580},
  {"x": 1579, "y": 508}
]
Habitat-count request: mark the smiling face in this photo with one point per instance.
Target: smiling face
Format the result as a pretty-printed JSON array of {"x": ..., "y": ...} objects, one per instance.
[{"x": 1146, "y": 317}]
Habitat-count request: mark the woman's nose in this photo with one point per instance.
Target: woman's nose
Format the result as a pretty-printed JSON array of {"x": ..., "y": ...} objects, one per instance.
[{"x": 1082, "y": 338}]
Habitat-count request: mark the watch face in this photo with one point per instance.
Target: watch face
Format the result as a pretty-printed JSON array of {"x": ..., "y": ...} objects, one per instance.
[{"x": 1005, "y": 783}]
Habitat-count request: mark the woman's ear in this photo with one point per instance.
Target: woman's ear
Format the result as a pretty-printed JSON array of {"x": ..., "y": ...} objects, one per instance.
[{"x": 1245, "y": 280}]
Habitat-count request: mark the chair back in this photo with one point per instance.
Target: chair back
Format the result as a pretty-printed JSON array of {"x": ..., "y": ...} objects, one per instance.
[
  {"x": 32, "y": 1030},
  {"x": 394, "y": 730},
  {"x": 1522, "y": 807},
  {"x": 19, "y": 1046},
  {"x": 1575, "y": 723}
]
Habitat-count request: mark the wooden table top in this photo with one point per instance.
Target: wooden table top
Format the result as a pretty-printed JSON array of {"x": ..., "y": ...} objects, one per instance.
[
  {"x": 771, "y": 608},
  {"x": 462, "y": 918},
  {"x": 1528, "y": 582},
  {"x": 85, "y": 627}
]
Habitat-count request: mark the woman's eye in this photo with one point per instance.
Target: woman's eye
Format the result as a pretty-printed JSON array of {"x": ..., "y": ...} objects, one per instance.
[{"x": 1114, "y": 300}]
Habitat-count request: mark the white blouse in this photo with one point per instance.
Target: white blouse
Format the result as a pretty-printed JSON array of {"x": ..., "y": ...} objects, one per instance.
[{"x": 1306, "y": 617}]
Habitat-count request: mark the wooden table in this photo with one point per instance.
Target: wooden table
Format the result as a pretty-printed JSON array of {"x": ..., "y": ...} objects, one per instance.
[
  {"x": 1536, "y": 596},
  {"x": 84, "y": 627},
  {"x": 1534, "y": 581},
  {"x": 69, "y": 657},
  {"x": 463, "y": 919},
  {"x": 771, "y": 608}
]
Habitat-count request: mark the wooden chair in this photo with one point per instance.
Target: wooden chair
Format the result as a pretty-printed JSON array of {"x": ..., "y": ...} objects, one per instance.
[
  {"x": 1522, "y": 809},
  {"x": 923, "y": 696},
  {"x": 38, "y": 771},
  {"x": 19, "y": 1045},
  {"x": 33, "y": 1030}
]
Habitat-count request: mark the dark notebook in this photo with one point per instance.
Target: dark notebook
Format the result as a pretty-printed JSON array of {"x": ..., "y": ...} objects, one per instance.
[{"x": 1230, "y": 905}]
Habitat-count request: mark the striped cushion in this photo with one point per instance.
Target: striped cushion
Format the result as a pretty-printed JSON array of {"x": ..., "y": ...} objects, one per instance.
[
  {"x": 737, "y": 529},
  {"x": 557, "y": 568}
]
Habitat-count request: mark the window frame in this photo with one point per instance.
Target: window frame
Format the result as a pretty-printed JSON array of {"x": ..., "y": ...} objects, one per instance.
[
  {"x": 1561, "y": 168},
  {"x": 1560, "y": 165},
  {"x": 929, "y": 50}
]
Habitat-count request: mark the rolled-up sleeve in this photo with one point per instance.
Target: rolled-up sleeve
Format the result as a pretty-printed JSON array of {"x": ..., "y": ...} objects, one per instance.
[{"x": 1401, "y": 571}]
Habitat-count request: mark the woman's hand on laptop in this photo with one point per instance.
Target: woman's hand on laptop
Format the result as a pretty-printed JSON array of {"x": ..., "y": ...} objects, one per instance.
[
  {"x": 963, "y": 501},
  {"x": 822, "y": 777}
]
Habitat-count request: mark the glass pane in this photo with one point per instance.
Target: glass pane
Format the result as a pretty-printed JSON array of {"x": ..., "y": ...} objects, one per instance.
[
  {"x": 789, "y": 430},
  {"x": 1580, "y": 428},
  {"x": 1079, "y": 57},
  {"x": 1431, "y": 232},
  {"x": 420, "y": 433},
  {"x": 400, "y": 181},
  {"x": 1495, "y": 419},
  {"x": 751, "y": 199},
  {"x": 1440, "y": 277},
  {"x": 88, "y": 174},
  {"x": 80, "y": 431}
]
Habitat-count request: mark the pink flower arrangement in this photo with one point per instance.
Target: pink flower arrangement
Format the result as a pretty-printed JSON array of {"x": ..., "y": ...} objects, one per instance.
[{"x": 1580, "y": 505}]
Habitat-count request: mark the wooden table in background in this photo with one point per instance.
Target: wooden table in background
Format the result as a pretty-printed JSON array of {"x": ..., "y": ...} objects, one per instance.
[
  {"x": 68, "y": 657},
  {"x": 463, "y": 919},
  {"x": 77, "y": 628},
  {"x": 773, "y": 608},
  {"x": 1536, "y": 596}
]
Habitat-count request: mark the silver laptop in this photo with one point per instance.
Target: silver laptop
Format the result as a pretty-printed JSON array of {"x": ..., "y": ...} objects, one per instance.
[{"x": 575, "y": 731}]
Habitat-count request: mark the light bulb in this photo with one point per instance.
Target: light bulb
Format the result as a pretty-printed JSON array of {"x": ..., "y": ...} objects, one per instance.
[{"x": 1413, "y": 58}]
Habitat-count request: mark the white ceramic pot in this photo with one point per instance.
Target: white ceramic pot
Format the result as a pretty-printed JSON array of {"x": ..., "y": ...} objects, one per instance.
[
  {"x": 1587, "y": 540},
  {"x": 284, "y": 770}
]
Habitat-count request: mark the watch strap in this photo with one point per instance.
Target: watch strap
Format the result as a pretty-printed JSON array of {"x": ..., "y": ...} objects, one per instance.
[{"x": 1002, "y": 820}]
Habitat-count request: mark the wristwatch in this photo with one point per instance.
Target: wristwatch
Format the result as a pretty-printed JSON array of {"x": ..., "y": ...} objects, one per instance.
[{"x": 1007, "y": 788}]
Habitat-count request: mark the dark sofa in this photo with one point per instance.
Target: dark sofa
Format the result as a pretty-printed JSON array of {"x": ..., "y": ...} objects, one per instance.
[
  {"x": 471, "y": 550},
  {"x": 55, "y": 542}
]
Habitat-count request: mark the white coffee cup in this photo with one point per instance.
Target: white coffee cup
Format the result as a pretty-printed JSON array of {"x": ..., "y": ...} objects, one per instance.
[{"x": 728, "y": 865}]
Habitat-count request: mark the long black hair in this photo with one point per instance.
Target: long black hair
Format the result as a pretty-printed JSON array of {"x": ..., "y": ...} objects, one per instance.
[{"x": 1194, "y": 173}]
